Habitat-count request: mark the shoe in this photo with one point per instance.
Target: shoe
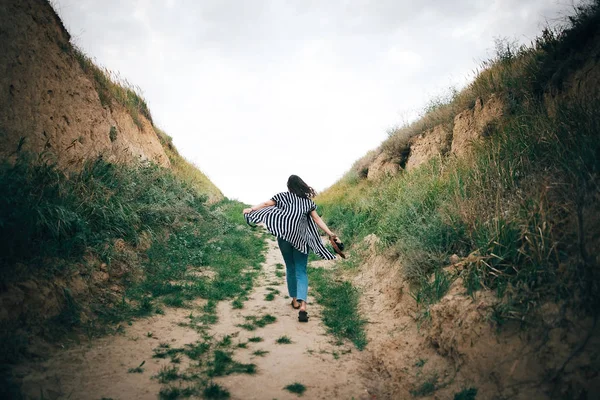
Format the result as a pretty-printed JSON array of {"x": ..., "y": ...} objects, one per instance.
[
  {"x": 303, "y": 316},
  {"x": 295, "y": 307}
]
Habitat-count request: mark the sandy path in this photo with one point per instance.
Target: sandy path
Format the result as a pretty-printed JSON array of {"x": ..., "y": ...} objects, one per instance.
[{"x": 100, "y": 369}]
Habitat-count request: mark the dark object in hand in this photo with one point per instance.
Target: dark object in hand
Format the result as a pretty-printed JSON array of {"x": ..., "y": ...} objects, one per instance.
[{"x": 338, "y": 246}]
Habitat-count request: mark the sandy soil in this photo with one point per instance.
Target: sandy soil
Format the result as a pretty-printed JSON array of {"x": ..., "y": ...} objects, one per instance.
[{"x": 100, "y": 368}]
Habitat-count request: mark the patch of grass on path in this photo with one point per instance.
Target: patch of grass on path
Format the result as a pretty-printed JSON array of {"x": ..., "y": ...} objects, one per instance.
[
  {"x": 340, "y": 306},
  {"x": 283, "y": 340},
  {"x": 214, "y": 391},
  {"x": 296, "y": 387}
]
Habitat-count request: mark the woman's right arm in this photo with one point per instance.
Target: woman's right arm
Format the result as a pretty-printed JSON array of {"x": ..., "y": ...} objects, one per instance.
[{"x": 267, "y": 203}]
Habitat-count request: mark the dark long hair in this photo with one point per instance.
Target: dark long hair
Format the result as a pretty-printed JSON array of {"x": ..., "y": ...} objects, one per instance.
[{"x": 297, "y": 186}]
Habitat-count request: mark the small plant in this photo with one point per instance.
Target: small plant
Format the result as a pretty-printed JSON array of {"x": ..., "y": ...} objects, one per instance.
[
  {"x": 174, "y": 392},
  {"x": 260, "y": 353},
  {"x": 216, "y": 392},
  {"x": 167, "y": 374},
  {"x": 279, "y": 266},
  {"x": 270, "y": 296},
  {"x": 279, "y": 274},
  {"x": 195, "y": 351},
  {"x": 247, "y": 326},
  {"x": 420, "y": 363},
  {"x": 427, "y": 387},
  {"x": 138, "y": 369},
  {"x": 255, "y": 339},
  {"x": 237, "y": 304},
  {"x": 223, "y": 364},
  {"x": 283, "y": 340},
  {"x": 297, "y": 388},
  {"x": 466, "y": 394},
  {"x": 225, "y": 342},
  {"x": 112, "y": 134}
]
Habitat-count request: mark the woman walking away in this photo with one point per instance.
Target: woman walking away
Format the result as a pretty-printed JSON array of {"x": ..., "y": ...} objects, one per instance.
[{"x": 292, "y": 217}]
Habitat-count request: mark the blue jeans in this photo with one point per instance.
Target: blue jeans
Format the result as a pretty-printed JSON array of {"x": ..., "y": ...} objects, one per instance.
[{"x": 295, "y": 270}]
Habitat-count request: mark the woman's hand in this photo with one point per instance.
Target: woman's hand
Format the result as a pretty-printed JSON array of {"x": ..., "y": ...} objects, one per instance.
[{"x": 247, "y": 210}]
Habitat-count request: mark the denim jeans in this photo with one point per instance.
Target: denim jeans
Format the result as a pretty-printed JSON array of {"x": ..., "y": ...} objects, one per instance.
[{"x": 295, "y": 270}]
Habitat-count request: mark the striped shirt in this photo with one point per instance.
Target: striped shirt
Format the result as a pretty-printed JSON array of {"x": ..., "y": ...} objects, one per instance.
[{"x": 290, "y": 220}]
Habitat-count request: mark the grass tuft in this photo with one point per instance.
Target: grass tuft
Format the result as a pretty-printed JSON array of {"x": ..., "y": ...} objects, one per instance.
[
  {"x": 283, "y": 340},
  {"x": 296, "y": 387}
]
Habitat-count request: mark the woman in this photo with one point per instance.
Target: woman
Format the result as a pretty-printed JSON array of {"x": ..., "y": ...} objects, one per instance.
[{"x": 292, "y": 217}]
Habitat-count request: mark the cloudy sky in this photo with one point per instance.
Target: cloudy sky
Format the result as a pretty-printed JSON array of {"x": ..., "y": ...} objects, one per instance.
[{"x": 253, "y": 91}]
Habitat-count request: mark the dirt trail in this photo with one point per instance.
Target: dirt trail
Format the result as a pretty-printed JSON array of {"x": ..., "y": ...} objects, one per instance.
[{"x": 100, "y": 368}]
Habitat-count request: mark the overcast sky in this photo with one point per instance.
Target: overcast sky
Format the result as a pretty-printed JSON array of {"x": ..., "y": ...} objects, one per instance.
[{"x": 253, "y": 91}]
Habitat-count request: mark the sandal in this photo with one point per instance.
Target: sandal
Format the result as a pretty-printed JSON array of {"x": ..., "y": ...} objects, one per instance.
[
  {"x": 303, "y": 316},
  {"x": 295, "y": 307}
]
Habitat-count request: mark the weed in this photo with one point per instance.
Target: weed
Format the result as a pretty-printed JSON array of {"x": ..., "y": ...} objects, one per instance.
[
  {"x": 255, "y": 339},
  {"x": 223, "y": 364},
  {"x": 257, "y": 322},
  {"x": 466, "y": 394},
  {"x": 420, "y": 363},
  {"x": 279, "y": 266},
  {"x": 296, "y": 387},
  {"x": 247, "y": 326},
  {"x": 214, "y": 391},
  {"x": 260, "y": 353},
  {"x": 279, "y": 274},
  {"x": 225, "y": 342},
  {"x": 138, "y": 369},
  {"x": 270, "y": 296},
  {"x": 164, "y": 350},
  {"x": 283, "y": 340},
  {"x": 173, "y": 392},
  {"x": 167, "y": 374},
  {"x": 237, "y": 304},
  {"x": 195, "y": 351},
  {"x": 427, "y": 387}
]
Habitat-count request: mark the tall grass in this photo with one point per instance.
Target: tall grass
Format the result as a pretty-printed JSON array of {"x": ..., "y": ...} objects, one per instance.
[
  {"x": 187, "y": 171},
  {"x": 515, "y": 208},
  {"x": 110, "y": 86},
  {"x": 52, "y": 221}
]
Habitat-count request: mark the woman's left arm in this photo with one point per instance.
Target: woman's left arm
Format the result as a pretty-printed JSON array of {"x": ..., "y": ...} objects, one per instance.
[{"x": 321, "y": 223}]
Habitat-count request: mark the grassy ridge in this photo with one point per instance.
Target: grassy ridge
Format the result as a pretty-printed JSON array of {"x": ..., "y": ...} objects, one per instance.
[
  {"x": 515, "y": 209},
  {"x": 151, "y": 232}
]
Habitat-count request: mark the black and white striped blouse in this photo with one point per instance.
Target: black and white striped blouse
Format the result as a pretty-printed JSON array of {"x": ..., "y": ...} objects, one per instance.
[{"x": 290, "y": 220}]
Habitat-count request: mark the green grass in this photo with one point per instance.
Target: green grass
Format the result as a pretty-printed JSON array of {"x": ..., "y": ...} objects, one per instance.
[
  {"x": 430, "y": 291},
  {"x": 279, "y": 266},
  {"x": 197, "y": 350},
  {"x": 296, "y": 387},
  {"x": 138, "y": 369},
  {"x": 255, "y": 339},
  {"x": 283, "y": 340},
  {"x": 154, "y": 230},
  {"x": 260, "y": 353},
  {"x": 257, "y": 322},
  {"x": 174, "y": 392},
  {"x": 426, "y": 388},
  {"x": 340, "y": 306},
  {"x": 466, "y": 394},
  {"x": 223, "y": 364},
  {"x": 505, "y": 205},
  {"x": 270, "y": 296},
  {"x": 167, "y": 374},
  {"x": 216, "y": 392},
  {"x": 164, "y": 350}
]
